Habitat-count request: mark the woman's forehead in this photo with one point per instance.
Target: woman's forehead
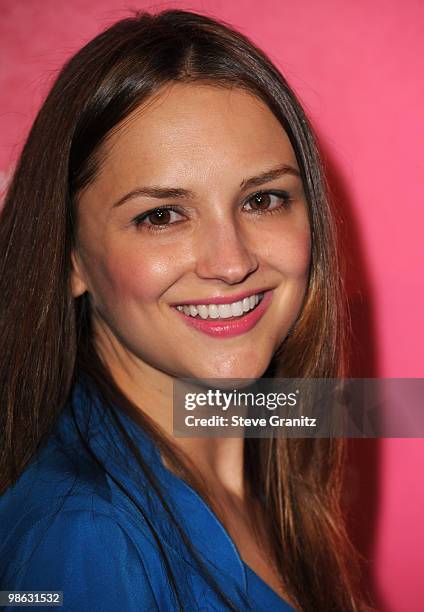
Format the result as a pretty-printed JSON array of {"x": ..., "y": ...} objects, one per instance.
[{"x": 187, "y": 129}]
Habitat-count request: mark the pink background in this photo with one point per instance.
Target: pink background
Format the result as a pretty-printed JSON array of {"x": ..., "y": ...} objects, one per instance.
[{"x": 357, "y": 67}]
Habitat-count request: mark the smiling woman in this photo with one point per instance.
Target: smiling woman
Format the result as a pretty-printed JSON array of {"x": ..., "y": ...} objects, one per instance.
[
  {"x": 167, "y": 219},
  {"x": 207, "y": 149}
]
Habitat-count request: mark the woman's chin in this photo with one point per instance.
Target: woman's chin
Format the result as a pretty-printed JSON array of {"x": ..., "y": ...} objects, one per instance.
[{"x": 235, "y": 374}]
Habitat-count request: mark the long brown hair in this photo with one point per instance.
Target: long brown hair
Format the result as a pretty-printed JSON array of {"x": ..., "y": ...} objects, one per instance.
[{"x": 46, "y": 339}]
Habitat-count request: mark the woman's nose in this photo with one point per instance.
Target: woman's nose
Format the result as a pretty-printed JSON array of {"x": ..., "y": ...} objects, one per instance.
[{"x": 224, "y": 252}]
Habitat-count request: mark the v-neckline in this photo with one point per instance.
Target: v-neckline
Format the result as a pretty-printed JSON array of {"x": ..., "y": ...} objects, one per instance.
[
  {"x": 217, "y": 546},
  {"x": 255, "y": 584}
]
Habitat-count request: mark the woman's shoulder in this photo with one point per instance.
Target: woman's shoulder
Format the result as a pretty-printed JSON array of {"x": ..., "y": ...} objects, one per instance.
[
  {"x": 60, "y": 522},
  {"x": 60, "y": 529},
  {"x": 90, "y": 556},
  {"x": 53, "y": 481},
  {"x": 63, "y": 476}
]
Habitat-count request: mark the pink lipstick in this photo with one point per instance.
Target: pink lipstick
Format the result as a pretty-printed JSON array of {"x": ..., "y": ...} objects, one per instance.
[{"x": 227, "y": 328}]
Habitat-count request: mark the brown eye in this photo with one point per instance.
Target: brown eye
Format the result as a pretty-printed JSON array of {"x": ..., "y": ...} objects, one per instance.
[
  {"x": 267, "y": 201},
  {"x": 260, "y": 201},
  {"x": 159, "y": 216}
]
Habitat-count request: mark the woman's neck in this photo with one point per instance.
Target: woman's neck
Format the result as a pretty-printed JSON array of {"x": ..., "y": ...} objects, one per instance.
[{"x": 219, "y": 461}]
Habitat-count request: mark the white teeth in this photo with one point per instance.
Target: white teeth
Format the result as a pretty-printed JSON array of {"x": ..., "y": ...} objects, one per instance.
[
  {"x": 203, "y": 311},
  {"x": 237, "y": 309},
  {"x": 213, "y": 311},
  {"x": 222, "y": 311}
]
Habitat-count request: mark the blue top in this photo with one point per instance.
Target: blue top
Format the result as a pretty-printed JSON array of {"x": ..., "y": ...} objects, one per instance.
[{"x": 67, "y": 525}]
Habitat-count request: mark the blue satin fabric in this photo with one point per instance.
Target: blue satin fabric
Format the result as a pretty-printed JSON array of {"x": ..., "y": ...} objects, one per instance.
[{"x": 67, "y": 525}]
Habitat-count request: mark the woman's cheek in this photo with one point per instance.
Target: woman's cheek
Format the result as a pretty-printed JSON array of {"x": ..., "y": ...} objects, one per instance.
[
  {"x": 290, "y": 255},
  {"x": 142, "y": 276}
]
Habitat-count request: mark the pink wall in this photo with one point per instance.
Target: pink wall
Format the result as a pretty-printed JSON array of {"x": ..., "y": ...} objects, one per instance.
[{"x": 358, "y": 68}]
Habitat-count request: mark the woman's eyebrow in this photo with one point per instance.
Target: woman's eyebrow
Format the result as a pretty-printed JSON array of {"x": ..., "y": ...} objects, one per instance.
[
  {"x": 163, "y": 193},
  {"x": 269, "y": 175}
]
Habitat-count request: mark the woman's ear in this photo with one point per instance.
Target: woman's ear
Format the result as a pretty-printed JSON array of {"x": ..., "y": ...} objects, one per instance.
[{"x": 78, "y": 284}]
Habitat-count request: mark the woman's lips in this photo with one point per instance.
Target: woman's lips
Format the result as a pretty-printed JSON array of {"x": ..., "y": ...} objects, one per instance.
[{"x": 226, "y": 328}]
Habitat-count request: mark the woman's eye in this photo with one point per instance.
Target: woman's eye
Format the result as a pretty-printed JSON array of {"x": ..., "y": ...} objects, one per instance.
[
  {"x": 268, "y": 201},
  {"x": 157, "y": 218}
]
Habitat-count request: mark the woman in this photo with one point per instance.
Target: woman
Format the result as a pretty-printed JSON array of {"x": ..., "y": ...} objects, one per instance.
[{"x": 169, "y": 177}]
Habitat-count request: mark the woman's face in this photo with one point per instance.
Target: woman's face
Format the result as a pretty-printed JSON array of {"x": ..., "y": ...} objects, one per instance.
[{"x": 238, "y": 227}]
